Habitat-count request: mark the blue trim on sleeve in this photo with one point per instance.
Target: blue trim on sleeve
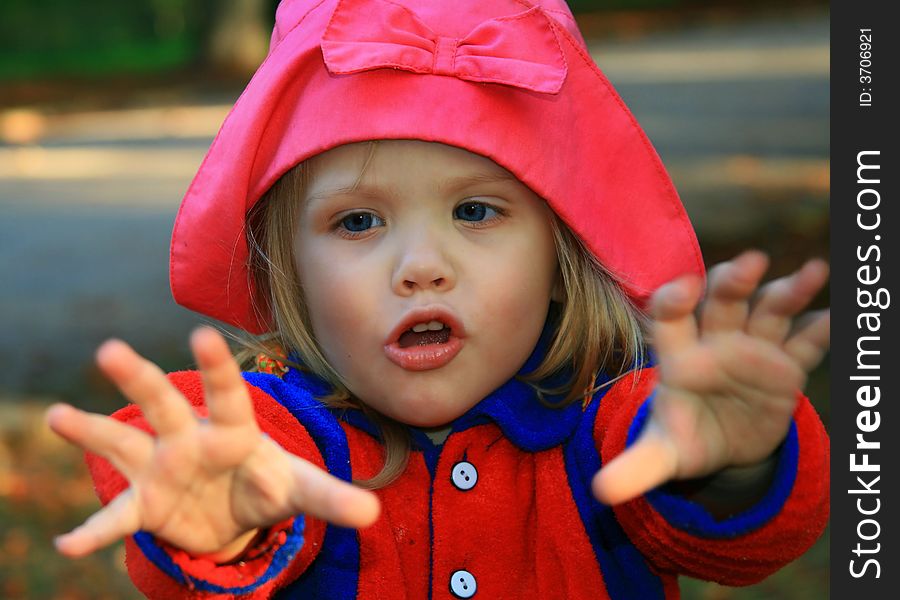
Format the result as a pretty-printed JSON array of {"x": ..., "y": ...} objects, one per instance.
[
  {"x": 693, "y": 518},
  {"x": 280, "y": 560},
  {"x": 147, "y": 543},
  {"x": 625, "y": 571}
]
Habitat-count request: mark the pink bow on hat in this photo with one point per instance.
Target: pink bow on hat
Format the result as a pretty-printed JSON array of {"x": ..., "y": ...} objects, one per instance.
[{"x": 520, "y": 50}]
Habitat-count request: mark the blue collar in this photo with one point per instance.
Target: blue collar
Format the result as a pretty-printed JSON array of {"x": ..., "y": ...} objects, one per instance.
[{"x": 514, "y": 407}]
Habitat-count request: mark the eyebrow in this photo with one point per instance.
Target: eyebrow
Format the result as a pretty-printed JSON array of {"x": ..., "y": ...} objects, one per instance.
[
  {"x": 346, "y": 190},
  {"x": 449, "y": 185},
  {"x": 459, "y": 183}
]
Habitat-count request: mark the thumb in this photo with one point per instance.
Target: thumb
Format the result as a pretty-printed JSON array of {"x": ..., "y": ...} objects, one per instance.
[
  {"x": 649, "y": 462},
  {"x": 327, "y": 497}
]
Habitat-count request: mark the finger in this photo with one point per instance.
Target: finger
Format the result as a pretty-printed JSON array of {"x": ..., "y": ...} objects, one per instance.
[
  {"x": 672, "y": 307},
  {"x": 731, "y": 284},
  {"x": 809, "y": 345},
  {"x": 328, "y": 498},
  {"x": 226, "y": 393},
  {"x": 780, "y": 300},
  {"x": 116, "y": 520},
  {"x": 650, "y": 462},
  {"x": 128, "y": 449},
  {"x": 146, "y": 385}
]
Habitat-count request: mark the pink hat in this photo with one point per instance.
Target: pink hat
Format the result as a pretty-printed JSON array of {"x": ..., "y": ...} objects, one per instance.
[{"x": 507, "y": 79}]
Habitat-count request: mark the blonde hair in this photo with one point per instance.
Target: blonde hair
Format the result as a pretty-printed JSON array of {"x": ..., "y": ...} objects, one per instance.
[{"x": 598, "y": 328}]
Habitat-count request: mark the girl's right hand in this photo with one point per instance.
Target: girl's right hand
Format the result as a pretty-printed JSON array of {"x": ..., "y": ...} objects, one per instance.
[{"x": 203, "y": 485}]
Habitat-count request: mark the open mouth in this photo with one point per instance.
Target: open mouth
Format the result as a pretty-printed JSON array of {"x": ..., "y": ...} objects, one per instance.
[
  {"x": 425, "y": 334},
  {"x": 427, "y": 338}
]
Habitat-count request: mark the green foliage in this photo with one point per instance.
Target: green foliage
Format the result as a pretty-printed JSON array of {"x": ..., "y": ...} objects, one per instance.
[{"x": 52, "y": 37}]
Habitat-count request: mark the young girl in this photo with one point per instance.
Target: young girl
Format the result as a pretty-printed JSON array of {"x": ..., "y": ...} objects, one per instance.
[{"x": 448, "y": 220}]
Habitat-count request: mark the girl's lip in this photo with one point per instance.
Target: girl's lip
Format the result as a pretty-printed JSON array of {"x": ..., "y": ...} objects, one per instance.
[
  {"x": 424, "y": 314},
  {"x": 431, "y": 356},
  {"x": 424, "y": 358}
]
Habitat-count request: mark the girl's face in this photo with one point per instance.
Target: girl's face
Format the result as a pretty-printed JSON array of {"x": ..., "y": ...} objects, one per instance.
[{"x": 428, "y": 236}]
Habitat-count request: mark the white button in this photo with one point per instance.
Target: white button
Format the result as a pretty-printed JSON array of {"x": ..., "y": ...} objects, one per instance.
[
  {"x": 462, "y": 584},
  {"x": 464, "y": 476}
]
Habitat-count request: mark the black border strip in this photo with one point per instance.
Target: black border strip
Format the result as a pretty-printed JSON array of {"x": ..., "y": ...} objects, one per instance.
[{"x": 864, "y": 228}]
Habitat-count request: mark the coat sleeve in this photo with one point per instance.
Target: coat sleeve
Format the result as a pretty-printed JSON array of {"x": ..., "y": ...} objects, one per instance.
[
  {"x": 278, "y": 557},
  {"x": 680, "y": 536}
]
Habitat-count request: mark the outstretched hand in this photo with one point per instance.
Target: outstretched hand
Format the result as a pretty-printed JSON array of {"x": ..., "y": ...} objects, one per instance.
[
  {"x": 727, "y": 384},
  {"x": 203, "y": 485}
]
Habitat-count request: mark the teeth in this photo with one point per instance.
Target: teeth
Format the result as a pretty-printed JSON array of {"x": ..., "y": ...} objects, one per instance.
[{"x": 431, "y": 326}]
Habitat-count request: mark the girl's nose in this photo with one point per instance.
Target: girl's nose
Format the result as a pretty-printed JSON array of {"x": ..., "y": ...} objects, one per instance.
[{"x": 423, "y": 265}]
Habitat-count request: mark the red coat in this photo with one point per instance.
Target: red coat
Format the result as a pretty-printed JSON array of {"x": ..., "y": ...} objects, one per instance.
[{"x": 502, "y": 509}]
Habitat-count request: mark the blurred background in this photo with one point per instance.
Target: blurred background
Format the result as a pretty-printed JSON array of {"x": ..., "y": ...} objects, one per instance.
[{"x": 107, "y": 109}]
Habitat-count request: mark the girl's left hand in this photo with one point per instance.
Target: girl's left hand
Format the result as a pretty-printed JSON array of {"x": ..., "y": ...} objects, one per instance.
[{"x": 727, "y": 385}]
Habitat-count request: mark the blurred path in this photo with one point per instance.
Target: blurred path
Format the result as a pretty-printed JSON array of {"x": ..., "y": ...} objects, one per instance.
[{"x": 738, "y": 112}]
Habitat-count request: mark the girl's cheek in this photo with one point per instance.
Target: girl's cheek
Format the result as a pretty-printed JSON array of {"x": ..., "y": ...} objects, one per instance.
[
  {"x": 331, "y": 307},
  {"x": 323, "y": 300},
  {"x": 516, "y": 302},
  {"x": 344, "y": 308}
]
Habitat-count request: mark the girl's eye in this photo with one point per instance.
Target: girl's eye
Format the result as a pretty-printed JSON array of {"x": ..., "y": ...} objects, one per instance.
[
  {"x": 475, "y": 212},
  {"x": 360, "y": 222}
]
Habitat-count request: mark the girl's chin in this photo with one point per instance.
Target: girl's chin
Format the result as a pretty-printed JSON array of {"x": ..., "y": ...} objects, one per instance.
[
  {"x": 421, "y": 403},
  {"x": 428, "y": 416},
  {"x": 430, "y": 421}
]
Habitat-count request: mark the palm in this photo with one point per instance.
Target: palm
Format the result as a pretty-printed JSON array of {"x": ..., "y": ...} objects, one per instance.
[
  {"x": 727, "y": 380},
  {"x": 199, "y": 500},
  {"x": 715, "y": 419}
]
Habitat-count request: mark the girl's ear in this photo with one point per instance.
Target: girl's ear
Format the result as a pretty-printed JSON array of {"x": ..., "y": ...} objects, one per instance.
[{"x": 558, "y": 293}]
